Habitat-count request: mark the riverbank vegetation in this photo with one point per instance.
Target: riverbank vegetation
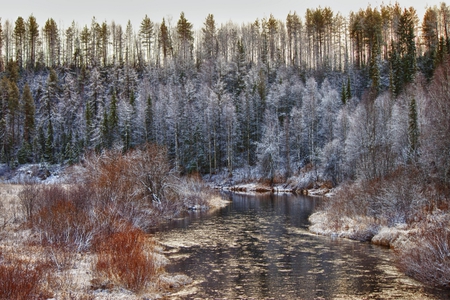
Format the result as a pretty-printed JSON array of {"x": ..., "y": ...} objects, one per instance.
[
  {"x": 403, "y": 204},
  {"x": 85, "y": 238},
  {"x": 358, "y": 102}
]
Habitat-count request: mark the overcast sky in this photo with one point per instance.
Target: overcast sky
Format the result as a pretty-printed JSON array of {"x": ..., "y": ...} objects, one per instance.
[{"x": 239, "y": 11}]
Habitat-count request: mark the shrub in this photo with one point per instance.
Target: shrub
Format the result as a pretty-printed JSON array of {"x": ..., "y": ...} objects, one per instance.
[
  {"x": 23, "y": 280},
  {"x": 28, "y": 198},
  {"x": 426, "y": 255},
  {"x": 138, "y": 184},
  {"x": 398, "y": 198},
  {"x": 62, "y": 218},
  {"x": 124, "y": 259}
]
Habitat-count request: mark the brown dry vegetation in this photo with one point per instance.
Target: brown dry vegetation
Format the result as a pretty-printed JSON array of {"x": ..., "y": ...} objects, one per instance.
[
  {"x": 404, "y": 211},
  {"x": 86, "y": 240}
]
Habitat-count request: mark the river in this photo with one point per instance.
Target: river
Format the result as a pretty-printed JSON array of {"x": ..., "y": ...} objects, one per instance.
[{"x": 259, "y": 247}]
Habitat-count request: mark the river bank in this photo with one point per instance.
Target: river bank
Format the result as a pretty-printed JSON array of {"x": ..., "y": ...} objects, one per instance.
[
  {"x": 67, "y": 274},
  {"x": 82, "y": 233},
  {"x": 399, "y": 212}
]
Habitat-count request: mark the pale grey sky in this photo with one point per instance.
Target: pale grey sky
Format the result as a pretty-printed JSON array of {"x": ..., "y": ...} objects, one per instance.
[{"x": 239, "y": 11}]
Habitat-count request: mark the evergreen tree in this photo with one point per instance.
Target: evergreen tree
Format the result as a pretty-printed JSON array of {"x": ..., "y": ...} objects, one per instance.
[
  {"x": 25, "y": 153},
  {"x": 40, "y": 144},
  {"x": 149, "y": 120},
  {"x": 442, "y": 52},
  {"x": 70, "y": 152},
  {"x": 113, "y": 120},
  {"x": 105, "y": 132},
  {"x": 209, "y": 38},
  {"x": 374, "y": 70},
  {"x": 89, "y": 125},
  {"x": 146, "y": 34},
  {"x": 185, "y": 38},
  {"x": 403, "y": 53},
  {"x": 344, "y": 94},
  {"x": 49, "y": 154},
  {"x": 349, "y": 89},
  {"x": 13, "y": 113},
  {"x": 413, "y": 131},
  {"x": 19, "y": 36},
  {"x": 164, "y": 41},
  {"x": 395, "y": 72},
  {"x": 51, "y": 36},
  {"x": 29, "y": 111}
]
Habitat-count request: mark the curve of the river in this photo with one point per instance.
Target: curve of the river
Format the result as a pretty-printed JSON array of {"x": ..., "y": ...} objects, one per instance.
[{"x": 259, "y": 247}]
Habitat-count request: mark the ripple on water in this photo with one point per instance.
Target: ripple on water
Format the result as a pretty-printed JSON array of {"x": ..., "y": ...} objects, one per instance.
[{"x": 259, "y": 247}]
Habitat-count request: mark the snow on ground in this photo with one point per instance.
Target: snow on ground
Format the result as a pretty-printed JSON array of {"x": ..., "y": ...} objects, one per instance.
[
  {"x": 360, "y": 228},
  {"x": 42, "y": 173},
  {"x": 248, "y": 181}
]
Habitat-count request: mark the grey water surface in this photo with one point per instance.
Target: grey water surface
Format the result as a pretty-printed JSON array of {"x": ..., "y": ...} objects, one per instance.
[{"x": 259, "y": 247}]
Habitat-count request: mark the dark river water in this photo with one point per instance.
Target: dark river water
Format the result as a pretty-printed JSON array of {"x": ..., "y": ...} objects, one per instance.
[{"x": 259, "y": 247}]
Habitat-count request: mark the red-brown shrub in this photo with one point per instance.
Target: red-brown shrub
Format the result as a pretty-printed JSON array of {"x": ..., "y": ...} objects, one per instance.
[
  {"x": 23, "y": 280},
  {"x": 63, "y": 225},
  {"x": 124, "y": 259}
]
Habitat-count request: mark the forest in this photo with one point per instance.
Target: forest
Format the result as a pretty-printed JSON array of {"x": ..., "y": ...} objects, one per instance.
[
  {"x": 361, "y": 102},
  {"x": 347, "y": 95}
]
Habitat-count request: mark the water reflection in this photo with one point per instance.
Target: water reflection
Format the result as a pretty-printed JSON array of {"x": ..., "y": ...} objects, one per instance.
[{"x": 259, "y": 247}]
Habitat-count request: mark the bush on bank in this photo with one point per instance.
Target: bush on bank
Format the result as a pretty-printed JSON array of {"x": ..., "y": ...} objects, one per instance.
[{"x": 404, "y": 211}]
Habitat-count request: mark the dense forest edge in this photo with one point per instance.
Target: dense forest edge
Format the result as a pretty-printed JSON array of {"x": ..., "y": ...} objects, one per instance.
[{"x": 358, "y": 103}]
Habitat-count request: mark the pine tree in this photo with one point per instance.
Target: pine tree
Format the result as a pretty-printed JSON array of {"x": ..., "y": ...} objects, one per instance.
[
  {"x": 164, "y": 41},
  {"x": 40, "y": 144},
  {"x": 13, "y": 113},
  {"x": 105, "y": 132},
  {"x": 69, "y": 151},
  {"x": 149, "y": 120},
  {"x": 113, "y": 120},
  {"x": 146, "y": 35},
  {"x": 374, "y": 70},
  {"x": 33, "y": 35},
  {"x": 19, "y": 36},
  {"x": 29, "y": 111},
  {"x": 349, "y": 89},
  {"x": 395, "y": 72},
  {"x": 49, "y": 154},
  {"x": 52, "y": 40},
  {"x": 442, "y": 52},
  {"x": 344, "y": 94},
  {"x": 209, "y": 38},
  {"x": 241, "y": 69},
  {"x": 403, "y": 53},
  {"x": 89, "y": 125},
  {"x": 24, "y": 155},
  {"x": 186, "y": 39},
  {"x": 413, "y": 131}
]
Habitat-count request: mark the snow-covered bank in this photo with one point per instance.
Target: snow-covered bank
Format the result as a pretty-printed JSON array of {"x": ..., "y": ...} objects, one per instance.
[
  {"x": 41, "y": 173},
  {"x": 400, "y": 213},
  {"x": 360, "y": 228},
  {"x": 249, "y": 181}
]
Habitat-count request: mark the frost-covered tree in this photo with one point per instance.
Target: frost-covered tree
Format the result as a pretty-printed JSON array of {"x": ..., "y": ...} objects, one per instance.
[
  {"x": 435, "y": 137},
  {"x": 311, "y": 120},
  {"x": 369, "y": 142},
  {"x": 268, "y": 148}
]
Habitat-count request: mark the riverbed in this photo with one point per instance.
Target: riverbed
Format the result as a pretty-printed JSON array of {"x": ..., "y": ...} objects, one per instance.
[{"x": 259, "y": 247}]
